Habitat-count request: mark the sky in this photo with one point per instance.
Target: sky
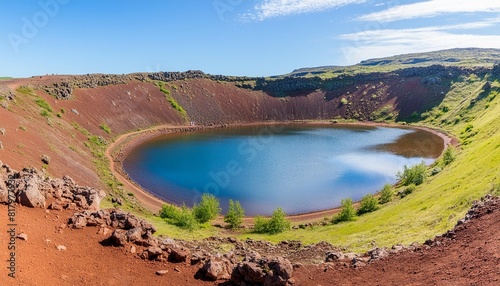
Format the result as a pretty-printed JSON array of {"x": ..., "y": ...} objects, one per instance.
[{"x": 231, "y": 37}]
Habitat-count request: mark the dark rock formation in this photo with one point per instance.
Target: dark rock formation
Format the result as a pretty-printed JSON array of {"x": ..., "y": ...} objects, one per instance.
[{"x": 32, "y": 188}]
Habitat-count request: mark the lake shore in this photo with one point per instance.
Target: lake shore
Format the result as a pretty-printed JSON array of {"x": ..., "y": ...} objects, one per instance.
[{"x": 122, "y": 145}]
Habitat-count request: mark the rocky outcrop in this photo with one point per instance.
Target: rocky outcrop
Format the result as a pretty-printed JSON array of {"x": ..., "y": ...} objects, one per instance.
[
  {"x": 264, "y": 271},
  {"x": 33, "y": 189}
]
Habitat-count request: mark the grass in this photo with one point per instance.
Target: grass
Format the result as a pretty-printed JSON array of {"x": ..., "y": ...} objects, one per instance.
[
  {"x": 435, "y": 205},
  {"x": 105, "y": 128},
  {"x": 431, "y": 209},
  {"x": 172, "y": 100}
]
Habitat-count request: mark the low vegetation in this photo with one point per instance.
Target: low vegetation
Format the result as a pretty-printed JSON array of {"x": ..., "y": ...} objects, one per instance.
[
  {"x": 386, "y": 194},
  {"x": 234, "y": 215},
  {"x": 208, "y": 209},
  {"x": 105, "y": 128},
  {"x": 368, "y": 204},
  {"x": 347, "y": 213},
  {"x": 172, "y": 100},
  {"x": 413, "y": 175},
  {"x": 276, "y": 224}
]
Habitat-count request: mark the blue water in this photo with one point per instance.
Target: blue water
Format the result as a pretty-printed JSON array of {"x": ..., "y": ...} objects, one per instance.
[{"x": 298, "y": 168}]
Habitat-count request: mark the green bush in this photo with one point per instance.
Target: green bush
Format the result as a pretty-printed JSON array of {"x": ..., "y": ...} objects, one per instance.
[
  {"x": 386, "y": 194},
  {"x": 207, "y": 210},
  {"x": 449, "y": 156},
  {"x": 410, "y": 189},
  {"x": 413, "y": 175},
  {"x": 169, "y": 212},
  {"x": 348, "y": 213},
  {"x": 235, "y": 214},
  {"x": 186, "y": 219},
  {"x": 368, "y": 204},
  {"x": 260, "y": 224},
  {"x": 276, "y": 224}
]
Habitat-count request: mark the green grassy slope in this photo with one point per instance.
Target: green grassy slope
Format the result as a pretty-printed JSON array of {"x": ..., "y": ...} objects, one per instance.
[{"x": 444, "y": 198}]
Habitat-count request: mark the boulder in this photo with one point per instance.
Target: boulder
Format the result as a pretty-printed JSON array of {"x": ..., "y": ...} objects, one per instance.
[
  {"x": 154, "y": 252},
  {"x": 378, "y": 253},
  {"x": 269, "y": 272},
  {"x": 45, "y": 159},
  {"x": 31, "y": 196},
  {"x": 332, "y": 256},
  {"x": 134, "y": 234},
  {"x": 218, "y": 268},
  {"x": 179, "y": 254},
  {"x": 119, "y": 237}
]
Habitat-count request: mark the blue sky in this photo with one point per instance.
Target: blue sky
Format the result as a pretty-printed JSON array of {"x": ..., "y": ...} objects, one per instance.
[{"x": 231, "y": 37}]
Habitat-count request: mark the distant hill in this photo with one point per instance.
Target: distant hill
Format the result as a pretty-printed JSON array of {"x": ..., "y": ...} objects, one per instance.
[{"x": 454, "y": 57}]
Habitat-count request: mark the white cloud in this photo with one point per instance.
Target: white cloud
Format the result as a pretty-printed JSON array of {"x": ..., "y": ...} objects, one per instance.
[
  {"x": 389, "y": 42},
  {"x": 278, "y": 8},
  {"x": 432, "y": 8}
]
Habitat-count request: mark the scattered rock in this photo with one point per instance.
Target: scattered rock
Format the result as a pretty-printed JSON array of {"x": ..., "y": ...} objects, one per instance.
[
  {"x": 2, "y": 131},
  {"x": 161, "y": 272},
  {"x": 119, "y": 237},
  {"x": 75, "y": 111},
  {"x": 45, "y": 159},
  {"x": 1, "y": 145},
  {"x": 218, "y": 268},
  {"x": 179, "y": 254},
  {"x": 332, "y": 256},
  {"x": 22, "y": 236},
  {"x": 61, "y": 248},
  {"x": 132, "y": 249}
]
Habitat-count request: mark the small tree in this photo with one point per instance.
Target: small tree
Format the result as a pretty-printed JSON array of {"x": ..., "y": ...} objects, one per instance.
[
  {"x": 386, "y": 194},
  {"x": 278, "y": 222},
  {"x": 413, "y": 175},
  {"x": 368, "y": 204},
  {"x": 348, "y": 213},
  {"x": 235, "y": 214},
  {"x": 449, "y": 156},
  {"x": 207, "y": 210},
  {"x": 186, "y": 219}
]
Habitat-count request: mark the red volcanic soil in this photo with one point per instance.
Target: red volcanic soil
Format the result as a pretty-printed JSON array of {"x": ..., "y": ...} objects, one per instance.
[{"x": 472, "y": 257}]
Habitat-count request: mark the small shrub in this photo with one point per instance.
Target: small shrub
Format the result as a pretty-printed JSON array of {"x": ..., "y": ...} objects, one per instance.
[
  {"x": 59, "y": 115},
  {"x": 368, "y": 204},
  {"x": 45, "y": 113},
  {"x": 208, "y": 209},
  {"x": 276, "y": 224},
  {"x": 386, "y": 194},
  {"x": 260, "y": 224},
  {"x": 344, "y": 101},
  {"x": 449, "y": 156},
  {"x": 413, "y": 175},
  {"x": 63, "y": 111},
  {"x": 348, "y": 213},
  {"x": 105, "y": 128},
  {"x": 410, "y": 189},
  {"x": 186, "y": 219},
  {"x": 22, "y": 128},
  {"x": 235, "y": 214},
  {"x": 169, "y": 212}
]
